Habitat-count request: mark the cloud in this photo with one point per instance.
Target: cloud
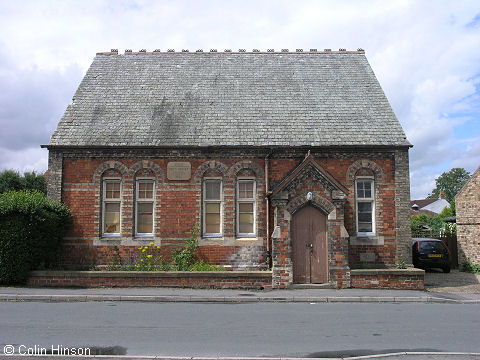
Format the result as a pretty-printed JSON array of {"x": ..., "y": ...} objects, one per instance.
[
  {"x": 470, "y": 158},
  {"x": 32, "y": 102},
  {"x": 28, "y": 159},
  {"x": 425, "y": 56}
]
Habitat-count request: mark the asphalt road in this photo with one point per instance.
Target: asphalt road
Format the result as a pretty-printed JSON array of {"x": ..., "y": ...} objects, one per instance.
[{"x": 274, "y": 329}]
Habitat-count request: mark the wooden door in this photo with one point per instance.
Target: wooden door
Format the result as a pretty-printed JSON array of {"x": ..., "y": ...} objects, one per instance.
[{"x": 309, "y": 246}]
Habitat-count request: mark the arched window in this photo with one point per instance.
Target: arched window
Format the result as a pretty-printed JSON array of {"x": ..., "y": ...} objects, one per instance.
[
  {"x": 111, "y": 206},
  {"x": 246, "y": 207},
  {"x": 144, "y": 207},
  {"x": 212, "y": 207},
  {"x": 365, "y": 204}
]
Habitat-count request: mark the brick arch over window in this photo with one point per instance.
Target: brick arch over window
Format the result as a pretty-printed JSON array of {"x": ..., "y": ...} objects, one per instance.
[
  {"x": 97, "y": 180},
  {"x": 213, "y": 164},
  {"x": 259, "y": 214},
  {"x": 150, "y": 165},
  {"x": 107, "y": 165},
  {"x": 365, "y": 164},
  {"x": 247, "y": 164},
  {"x": 317, "y": 200}
]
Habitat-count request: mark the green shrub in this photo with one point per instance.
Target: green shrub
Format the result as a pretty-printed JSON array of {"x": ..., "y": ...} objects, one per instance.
[
  {"x": 201, "y": 265},
  {"x": 184, "y": 257},
  {"x": 467, "y": 266},
  {"x": 31, "y": 228},
  {"x": 149, "y": 258}
]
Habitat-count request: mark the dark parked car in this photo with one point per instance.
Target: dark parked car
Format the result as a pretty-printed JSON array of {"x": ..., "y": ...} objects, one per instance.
[{"x": 430, "y": 253}]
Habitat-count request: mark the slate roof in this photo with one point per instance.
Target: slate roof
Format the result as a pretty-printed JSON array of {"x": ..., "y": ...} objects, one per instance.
[
  {"x": 422, "y": 202},
  {"x": 429, "y": 206},
  {"x": 229, "y": 99}
]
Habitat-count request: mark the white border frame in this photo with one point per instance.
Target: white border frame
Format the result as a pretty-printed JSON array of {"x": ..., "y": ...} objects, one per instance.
[
  {"x": 152, "y": 200},
  {"x": 105, "y": 200},
  {"x": 204, "y": 201},
  {"x": 237, "y": 211},
  {"x": 372, "y": 200}
]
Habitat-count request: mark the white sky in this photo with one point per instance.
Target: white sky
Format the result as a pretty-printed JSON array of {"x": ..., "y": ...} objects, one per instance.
[{"x": 426, "y": 55}]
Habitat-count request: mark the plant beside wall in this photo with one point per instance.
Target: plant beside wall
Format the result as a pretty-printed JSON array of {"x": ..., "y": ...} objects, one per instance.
[
  {"x": 31, "y": 228},
  {"x": 469, "y": 267},
  {"x": 149, "y": 258}
]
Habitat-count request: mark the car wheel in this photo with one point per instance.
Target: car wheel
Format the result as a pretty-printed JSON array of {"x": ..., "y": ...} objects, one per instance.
[{"x": 446, "y": 269}]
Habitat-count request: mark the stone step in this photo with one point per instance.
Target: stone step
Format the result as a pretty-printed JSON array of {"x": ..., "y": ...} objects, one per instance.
[{"x": 312, "y": 286}]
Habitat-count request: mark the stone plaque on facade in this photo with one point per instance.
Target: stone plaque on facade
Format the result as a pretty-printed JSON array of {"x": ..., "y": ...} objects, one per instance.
[{"x": 179, "y": 170}]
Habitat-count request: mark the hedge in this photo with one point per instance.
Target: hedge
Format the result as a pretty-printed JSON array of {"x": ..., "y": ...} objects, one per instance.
[{"x": 31, "y": 228}]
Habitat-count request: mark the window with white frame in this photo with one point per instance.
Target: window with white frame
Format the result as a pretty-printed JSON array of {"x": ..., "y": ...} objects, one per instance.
[
  {"x": 144, "y": 207},
  {"x": 212, "y": 208},
  {"x": 365, "y": 206},
  {"x": 246, "y": 208},
  {"x": 111, "y": 207}
]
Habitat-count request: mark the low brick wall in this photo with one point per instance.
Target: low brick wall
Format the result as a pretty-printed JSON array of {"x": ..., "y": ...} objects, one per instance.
[
  {"x": 407, "y": 279},
  {"x": 197, "y": 279}
]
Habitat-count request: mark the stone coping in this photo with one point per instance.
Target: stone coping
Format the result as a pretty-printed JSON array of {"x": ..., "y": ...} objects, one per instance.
[
  {"x": 150, "y": 274},
  {"x": 393, "y": 272}
]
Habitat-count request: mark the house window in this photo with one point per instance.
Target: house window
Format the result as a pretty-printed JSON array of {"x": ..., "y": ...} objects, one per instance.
[
  {"x": 246, "y": 208},
  {"x": 365, "y": 206},
  {"x": 145, "y": 199},
  {"x": 212, "y": 208},
  {"x": 111, "y": 207}
]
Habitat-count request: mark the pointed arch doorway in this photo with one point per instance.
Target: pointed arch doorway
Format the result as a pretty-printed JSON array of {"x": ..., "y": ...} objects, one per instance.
[{"x": 309, "y": 246}]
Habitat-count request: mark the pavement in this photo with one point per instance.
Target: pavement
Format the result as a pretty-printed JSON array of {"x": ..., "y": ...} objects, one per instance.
[{"x": 156, "y": 294}]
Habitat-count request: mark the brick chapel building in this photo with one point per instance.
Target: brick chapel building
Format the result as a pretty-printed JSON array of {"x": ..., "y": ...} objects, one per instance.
[{"x": 297, "y": 155}]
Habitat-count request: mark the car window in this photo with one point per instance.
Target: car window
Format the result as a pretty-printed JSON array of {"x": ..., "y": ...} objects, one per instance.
[{"x": 431, "y": 246}]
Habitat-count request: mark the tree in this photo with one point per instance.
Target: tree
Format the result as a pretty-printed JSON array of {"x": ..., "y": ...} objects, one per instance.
[
  {"x": 423, "y": 222},
  {"x": 448, "y": 211},
  {"x": 33, "y": 181},
  {"x": 450, "y": 182},
  {"x": 12, "y": 180}
]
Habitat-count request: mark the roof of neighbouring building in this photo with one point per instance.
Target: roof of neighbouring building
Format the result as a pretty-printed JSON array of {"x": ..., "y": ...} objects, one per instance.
[
  {"x": 428, "y": 206},
  {"x": 229, "y": 99}
]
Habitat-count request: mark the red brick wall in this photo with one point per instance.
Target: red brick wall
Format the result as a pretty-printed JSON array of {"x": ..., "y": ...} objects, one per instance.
[
  {"x": 411, "y": 279},
  {"x": 178, "y": 205},
  {"x": 118, "y": 279}
]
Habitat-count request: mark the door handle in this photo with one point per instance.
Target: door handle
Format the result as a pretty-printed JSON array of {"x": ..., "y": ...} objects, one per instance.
[{"x": 310, "y": 246}]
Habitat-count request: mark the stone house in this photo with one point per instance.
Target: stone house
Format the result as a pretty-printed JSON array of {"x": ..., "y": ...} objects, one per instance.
[
  {"x": 467, "y": 203},
  {"x": 293, "y": 160}
]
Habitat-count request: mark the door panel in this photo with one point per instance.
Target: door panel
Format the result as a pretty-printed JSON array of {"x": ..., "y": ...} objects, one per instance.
[{"x": 309, "y": 246}]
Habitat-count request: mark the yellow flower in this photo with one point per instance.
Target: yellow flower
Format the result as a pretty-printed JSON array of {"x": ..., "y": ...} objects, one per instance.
[
  {"x": 149, "y": 256},
  {"x": 151, "y": 244},
  {"x": 140, "y": 248},
  {"x": 144, "y": 250},
  {"x": 141, "y": 259},
  {"x": 158, "y": 247}
]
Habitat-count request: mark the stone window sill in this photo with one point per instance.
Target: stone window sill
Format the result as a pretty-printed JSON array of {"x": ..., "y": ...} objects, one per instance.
[{"x": 366, "y": 240}]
